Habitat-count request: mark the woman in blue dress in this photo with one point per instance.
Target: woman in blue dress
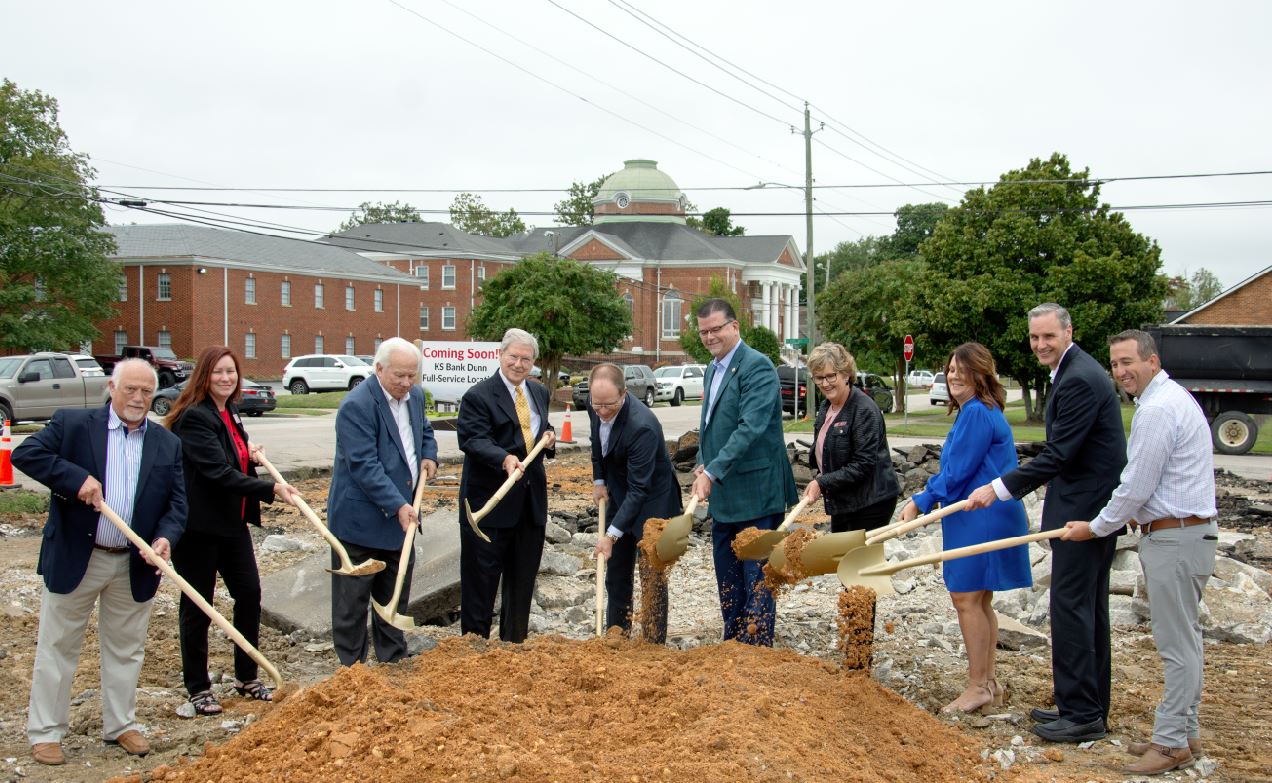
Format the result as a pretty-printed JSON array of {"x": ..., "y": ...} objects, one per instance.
[{"x": 978, "y": 449}]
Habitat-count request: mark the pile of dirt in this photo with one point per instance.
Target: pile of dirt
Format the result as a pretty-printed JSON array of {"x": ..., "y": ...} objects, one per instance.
[{"x": 601, "y": 710}]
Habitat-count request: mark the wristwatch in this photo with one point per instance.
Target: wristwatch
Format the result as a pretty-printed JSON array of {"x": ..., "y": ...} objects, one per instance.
[{"x": 611, "y": 536}]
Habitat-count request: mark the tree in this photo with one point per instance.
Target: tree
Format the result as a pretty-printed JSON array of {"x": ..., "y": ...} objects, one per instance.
[
  {"x": 572, "y": 308},
  {"x": 717, "y": 221},
  {"x": 1021, "y": 243},
  {"x": 764, "y": 340},
  {"x": 56, "y": 276},
  {"x": 859, "y": 254},
  {"x": 915, "y": 223},
  {"x": 1184, "y": 293},
  {"x": 380, "y": 212},
  {"x": 469, "y": 213},
  {"x": 761, "y": 338},
  {"x": 576, "y": 209}
]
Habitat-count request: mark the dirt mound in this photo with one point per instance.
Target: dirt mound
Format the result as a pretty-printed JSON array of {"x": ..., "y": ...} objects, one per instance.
[{"x": 600, "y": 710}]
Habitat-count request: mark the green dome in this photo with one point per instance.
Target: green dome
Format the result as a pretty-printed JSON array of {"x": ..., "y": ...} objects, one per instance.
[{"x": 639, "y": 182}]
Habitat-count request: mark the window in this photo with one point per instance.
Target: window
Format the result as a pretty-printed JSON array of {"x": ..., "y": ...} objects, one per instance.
[
  {"x": 318, "y": 299},
  {"x": 249, "y": 346},
  {"x": 249, "y": 291},
  {"x": 378, "y": 297},
  {"x": 378, "y": 341},
  {"x": 285, "y": 294},
  {"x": 423, "y": 319},
  {"x": 318, "y": 343},
  {"x": 481, "y": 274},
  {"x": 41, "y": 367},
  {"x": 448, "y": 318},
  {"x": 165, "y": 339},
  {"x": 285, "y": 348},
  {"x": 349, "y": 344},
  {"x": 62, "y": 368},
  {"x": 123, "y": 289},
  {"x": 693, "y": 372},
  {"x": 165, "y": 287},
  {"x": 671, "y": 316},
  {"x": 121, "y": 339},
  {"x": 348, "y": 297},
  {"x": 448, "y": 277},
  {"x": 421, "y": 274}
]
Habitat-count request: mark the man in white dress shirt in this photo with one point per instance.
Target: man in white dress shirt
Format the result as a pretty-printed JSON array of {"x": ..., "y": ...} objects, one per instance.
[{"x": 1167, "y": 493}]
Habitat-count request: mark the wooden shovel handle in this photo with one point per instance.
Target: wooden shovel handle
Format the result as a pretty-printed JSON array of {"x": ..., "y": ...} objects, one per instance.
[
  {"x": 600, "y": 573},
  {"x": 901, "y": 528},
  {"x": 193, "y": 595},
  {"x": 512, "y": 479},
  {"x": 694, "y": 500},
  {"x": 408, "y": 544},
  {"x": 966, "y": 551},
  {"x": 800, "y": 506},
  {"x": 309, "y": 514}
]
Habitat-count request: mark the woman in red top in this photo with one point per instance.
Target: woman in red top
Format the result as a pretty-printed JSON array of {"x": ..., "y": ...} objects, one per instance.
[{"x": 225, "y": 497}]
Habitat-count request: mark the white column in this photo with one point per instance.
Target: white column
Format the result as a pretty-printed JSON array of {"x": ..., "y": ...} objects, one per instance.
[
  {"x": 788, "y": 332},
  {"x": 766, "y": 302},
  {"x": 772, "y": 313}
]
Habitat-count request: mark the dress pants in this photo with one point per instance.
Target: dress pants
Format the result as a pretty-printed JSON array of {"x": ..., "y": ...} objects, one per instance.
[
  {"x": 743, "y": 597},
  {"x": 624, "y": 559},
  {"x": 121, "y": 635},
  {"x": 1081, "y": 661},
  {"x": 874, "y": 515},
  {"x": 199, "y": 557},
  {"x": 512, "y": 557},
  {"x": 351, "y": 599}
]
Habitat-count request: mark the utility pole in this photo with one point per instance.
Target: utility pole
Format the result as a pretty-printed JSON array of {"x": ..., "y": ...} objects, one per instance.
[{"x": 809, "y": 270}]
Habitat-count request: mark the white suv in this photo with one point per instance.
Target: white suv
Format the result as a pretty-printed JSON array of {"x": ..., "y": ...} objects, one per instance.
[
  {"x": 316, "y": 372},
  {"x": 680, "y": 383}
]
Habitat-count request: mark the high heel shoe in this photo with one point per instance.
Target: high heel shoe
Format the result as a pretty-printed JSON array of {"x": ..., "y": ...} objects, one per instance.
[{"x": 977, "y": 696}]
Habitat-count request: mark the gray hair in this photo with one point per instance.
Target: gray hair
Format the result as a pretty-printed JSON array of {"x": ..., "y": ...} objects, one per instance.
[
  {"x": 1144, "y": 344},
  {"x": 118, "y": 372},
  {"x": 1062, "y": 315},
  {"x": 836, "y": 357},
  {"x": 392, "y": 345},
  {"x": 521, "y": 336}
]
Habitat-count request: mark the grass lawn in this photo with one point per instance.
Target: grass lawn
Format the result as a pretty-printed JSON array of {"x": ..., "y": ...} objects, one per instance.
[
  {"x": 23, "y": 501},
  {"x": 328, "y": 400}
]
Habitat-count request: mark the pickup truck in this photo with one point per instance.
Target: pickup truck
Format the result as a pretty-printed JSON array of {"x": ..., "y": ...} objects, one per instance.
[
  {"x": 171, "y": 370},
  {"x": 32, "y": 387}
]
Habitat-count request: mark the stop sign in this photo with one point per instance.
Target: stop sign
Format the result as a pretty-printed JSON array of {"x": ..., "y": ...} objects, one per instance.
[{"x": 908, "y": 349}]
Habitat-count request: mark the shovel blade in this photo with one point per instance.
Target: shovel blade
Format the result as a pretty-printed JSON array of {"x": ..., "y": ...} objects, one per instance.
[
  {"x": 822, "y": 554},
  {"x": 762, "y": 547},
  {"x": 402, "y": 621},
  {"x": 472, "y": 521},
  {"x": 675, "y": 538},
  {"x": 852, "y": 563},
  {"x": 365, "y": 568}
]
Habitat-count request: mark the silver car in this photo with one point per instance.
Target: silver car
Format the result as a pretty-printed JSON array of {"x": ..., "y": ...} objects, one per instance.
[{"x": 939, "y": 394}]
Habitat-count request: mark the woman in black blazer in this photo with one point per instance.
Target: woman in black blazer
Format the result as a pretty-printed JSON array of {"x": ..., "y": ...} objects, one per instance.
[
  {"x": 224, "y": 496},
  {"x": 850, "y": 447}
]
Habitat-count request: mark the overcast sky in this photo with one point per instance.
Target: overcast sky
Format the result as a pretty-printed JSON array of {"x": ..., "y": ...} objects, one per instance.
[{"x": 370, "y": 94}]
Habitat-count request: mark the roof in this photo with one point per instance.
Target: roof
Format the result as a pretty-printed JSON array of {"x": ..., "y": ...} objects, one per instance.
[
  {"x": 674, "y": 242},
  {"x": 1265, "y": 271},
  {"x": 438, "y": 240},
  {"x": 260, "y": 251},
  {"x": 640, "y": 179}
]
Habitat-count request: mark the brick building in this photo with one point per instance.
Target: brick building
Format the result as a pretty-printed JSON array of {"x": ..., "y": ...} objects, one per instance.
[{"x": 1248, "y": 303}]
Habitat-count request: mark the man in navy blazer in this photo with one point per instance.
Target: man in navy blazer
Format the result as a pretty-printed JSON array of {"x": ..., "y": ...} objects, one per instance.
[
  {"x": 1081, "y": 464},
  {"x": 632, "y": 471},
  {"x": 383, "y": 441},
  {"x": 500, "y": 420},
  {"x": 85, "y": 457}
]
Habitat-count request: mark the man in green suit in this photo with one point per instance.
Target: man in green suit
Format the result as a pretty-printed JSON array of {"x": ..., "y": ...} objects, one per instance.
[{"x": 742, "y": 467}]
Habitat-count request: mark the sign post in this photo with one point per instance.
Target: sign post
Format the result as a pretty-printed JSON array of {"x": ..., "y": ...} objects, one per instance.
[{"x": 907, "y": 350}]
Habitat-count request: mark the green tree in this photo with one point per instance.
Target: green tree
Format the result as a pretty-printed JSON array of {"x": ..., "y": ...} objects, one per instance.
[
  {"x": 1187, "y": 293},
  {"x": 858, "y": 254},
  {"x": 1004, "y": 250},
  {"x": 469, "y": 213},
  {"x": 915, "y": 223},
  {"x": 56, "y": 277},
  {"x": 689, "y": 341},
  {"x": 380, "y": 212},
  {"x": 576, "y": 209},
  {"x": 572, "y": 308},
  {"x": 718, "y": 221},
  {"x": 764, "y": 340}
]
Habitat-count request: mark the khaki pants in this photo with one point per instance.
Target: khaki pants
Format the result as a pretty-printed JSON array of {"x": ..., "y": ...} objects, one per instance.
[{"x": 121, "y": 631}]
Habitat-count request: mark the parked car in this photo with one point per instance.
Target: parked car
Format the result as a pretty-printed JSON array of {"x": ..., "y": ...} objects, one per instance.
[
  {"x": 367, "y": 360},
  {"x": 87, "y": 364},
  {"x": 257, "y": 398},
  {"x": 938, "y": 394},
  {"x": 792, "y": 390},
  {"x": 168, "y": 367},
  {"x": 34, "y": 386},
  {"x": 323, "y": 372},
  {"x": 878, "y": 389},
  {"x": 679, "y": 383},
  {"x": 638, "y": 378},
  {"x": 563, "y": 377},
  {"x": 919, "y": 379}
]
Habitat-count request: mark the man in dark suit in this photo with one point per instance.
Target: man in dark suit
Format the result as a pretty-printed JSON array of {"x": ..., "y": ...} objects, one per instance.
[
  {"x": 632, "y": 471},
  {"x": 500, "y": 420},
  {"x": 742, "y": 467},
  {"x": 85, "y": 457},
  {"x": 383, "y": 442},
  {"x": 1080, "y": 464}
]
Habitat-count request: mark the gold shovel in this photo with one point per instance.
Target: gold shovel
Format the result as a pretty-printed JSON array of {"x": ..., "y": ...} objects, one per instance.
[
  {"x": 347, "y": 568},
  {"x": 475, "y": 517},
  {"x": 600, "y": 574},
  {"x": 390, "y": 613},
  {"x": 675, "y": 536},
  {"x": 867, "y": 574},
  {"x": 762, "y": 546}
]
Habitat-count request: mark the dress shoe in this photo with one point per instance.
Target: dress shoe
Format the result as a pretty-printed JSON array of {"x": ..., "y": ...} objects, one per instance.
[
  {"x": 131, "y": 741},
  {"x": 1158, "y": 759},
  {"x": 1041, "y": 715},
  {"x": 1065, "y": 730},
  {"x": 1140, "y": 748},
  {"x": 48, "y": 753}
]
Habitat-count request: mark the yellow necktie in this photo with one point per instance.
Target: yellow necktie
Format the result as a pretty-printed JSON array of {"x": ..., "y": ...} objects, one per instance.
[{"x": 523, "y": 415}]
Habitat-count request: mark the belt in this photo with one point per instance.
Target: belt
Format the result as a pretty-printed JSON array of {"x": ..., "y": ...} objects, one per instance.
[
  {"x": 111, "y": 550},
  {"x": 1170, "y": 523}
]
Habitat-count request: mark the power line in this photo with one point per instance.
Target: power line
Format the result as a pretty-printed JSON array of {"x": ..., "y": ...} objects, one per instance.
[{"x": 845, "y": 156}]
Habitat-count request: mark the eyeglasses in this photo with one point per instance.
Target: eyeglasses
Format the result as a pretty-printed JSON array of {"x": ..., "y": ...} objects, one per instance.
[
  {"x": 605, "y": 406},
  {"x": 705, "y": 333},
  {"x": 825, "y": 380},
  {"x": 513, "y": 358}
]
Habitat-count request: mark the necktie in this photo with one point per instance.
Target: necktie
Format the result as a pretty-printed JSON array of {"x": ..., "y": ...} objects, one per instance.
[{"x": 523, "y": 415}]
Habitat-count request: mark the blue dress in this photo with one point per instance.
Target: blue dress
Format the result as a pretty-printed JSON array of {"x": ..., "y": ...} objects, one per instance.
[{"x": 979, "y": 449}]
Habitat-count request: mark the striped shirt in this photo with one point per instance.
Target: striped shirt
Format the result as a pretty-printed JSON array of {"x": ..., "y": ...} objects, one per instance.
[
  {"x": 401, "y": 412},
  {"x": 1170, "y": 469},
  {"x": 123, "y": 466}
]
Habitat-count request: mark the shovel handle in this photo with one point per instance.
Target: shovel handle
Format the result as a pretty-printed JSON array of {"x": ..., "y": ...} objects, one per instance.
[
  {"x": 193, "y": 595},
  {"x": 516, "y": 475},
  {"x": 345, "y": 563},
  {"x": 694, "y": 500},
  {"x": 600, "y": 574},
  {"x": 901, "y": 528},
  {"x": 407, "y": 545},
  {"x": 966, "y": 551},
  {"x": 800, "y": 506}
]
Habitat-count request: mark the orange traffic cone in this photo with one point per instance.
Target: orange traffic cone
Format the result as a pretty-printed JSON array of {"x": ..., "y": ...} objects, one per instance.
[
  {"x": 567, "y": 432},
  {"x": 6, "y": 467}
]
